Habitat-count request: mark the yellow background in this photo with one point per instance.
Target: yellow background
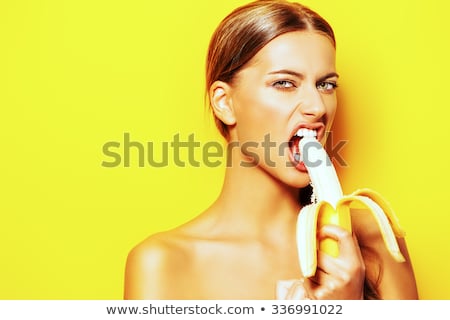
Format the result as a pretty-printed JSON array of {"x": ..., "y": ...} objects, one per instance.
[{"x": 77, "y": 74}]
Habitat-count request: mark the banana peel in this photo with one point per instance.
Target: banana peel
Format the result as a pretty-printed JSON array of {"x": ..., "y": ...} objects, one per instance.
[{"x": 332, "y": 207}]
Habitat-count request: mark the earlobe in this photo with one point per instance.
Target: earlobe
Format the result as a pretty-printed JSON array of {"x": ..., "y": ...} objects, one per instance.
[{"x": 221, "y": 102}]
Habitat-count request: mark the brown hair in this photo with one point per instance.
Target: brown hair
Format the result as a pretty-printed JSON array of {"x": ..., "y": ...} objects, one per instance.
[
  {"x": 236, "y": 41},
  {"x": 247, "y": 30}
]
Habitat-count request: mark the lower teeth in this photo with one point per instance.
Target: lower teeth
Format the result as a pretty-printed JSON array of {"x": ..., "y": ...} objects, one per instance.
[{"x": 297, "y": 157}]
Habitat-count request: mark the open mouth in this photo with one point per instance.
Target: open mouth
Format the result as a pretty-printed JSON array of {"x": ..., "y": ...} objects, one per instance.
[
  {"x": 294, "y": 142},
  {"x": 315, "y": 130}
]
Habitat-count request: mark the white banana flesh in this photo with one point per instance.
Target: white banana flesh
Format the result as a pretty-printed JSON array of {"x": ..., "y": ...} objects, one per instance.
[{"x": 332, "y": 207}]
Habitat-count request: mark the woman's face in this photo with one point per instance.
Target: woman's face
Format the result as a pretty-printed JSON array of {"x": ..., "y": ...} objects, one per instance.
[{"x": 289, "y": 84}]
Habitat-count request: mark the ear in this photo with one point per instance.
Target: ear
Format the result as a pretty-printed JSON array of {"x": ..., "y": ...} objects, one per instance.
[{"x": 221, "y": 102}]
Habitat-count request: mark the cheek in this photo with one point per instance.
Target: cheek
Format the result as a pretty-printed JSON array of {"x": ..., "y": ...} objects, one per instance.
[
  {"x": 262, "y": 104},
  {"x": 331, "y": 107},
  {"x": 256, "y": 113}
]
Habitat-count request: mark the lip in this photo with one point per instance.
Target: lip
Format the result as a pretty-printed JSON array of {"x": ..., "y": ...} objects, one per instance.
[{"x": 318, "y": 126}]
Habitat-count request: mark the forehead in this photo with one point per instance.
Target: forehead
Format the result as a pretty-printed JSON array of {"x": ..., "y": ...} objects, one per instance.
[{"x": 302, "y": 51}]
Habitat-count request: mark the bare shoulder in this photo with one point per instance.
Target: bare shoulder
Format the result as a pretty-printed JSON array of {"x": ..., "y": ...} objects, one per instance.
[
  {"x": 152, "y": 265},
  {"x": 397, "y": 280}
]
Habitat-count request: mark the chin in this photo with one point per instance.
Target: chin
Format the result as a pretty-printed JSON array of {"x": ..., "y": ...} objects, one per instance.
[
  {"x": 289, "y": 176},
  {"x": 296, "y": 180}
]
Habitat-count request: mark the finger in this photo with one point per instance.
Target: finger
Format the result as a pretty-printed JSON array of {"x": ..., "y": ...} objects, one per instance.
[
  {"x": 333, "y": 231},
  {"x": 282, "y": 288},
  {"x": 322, "y": 287},
  {"x": 350, "y": 260},
  {"x": 341, "y": 267},
  {"x": 330, "y": 265},
  {"x": 321, "y": 278},
  {"x": 346, "y": 241},
  {"x": 297, "y": 291},
  {"x": 291, "y": 290},
  {"x": 323, "y": 293}
]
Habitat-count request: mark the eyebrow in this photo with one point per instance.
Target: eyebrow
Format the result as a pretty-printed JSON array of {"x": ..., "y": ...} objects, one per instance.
[{"x": 301, "y": 76}]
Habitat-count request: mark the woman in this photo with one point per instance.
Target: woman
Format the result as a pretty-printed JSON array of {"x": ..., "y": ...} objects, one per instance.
[{"x": 270, "y": 71}]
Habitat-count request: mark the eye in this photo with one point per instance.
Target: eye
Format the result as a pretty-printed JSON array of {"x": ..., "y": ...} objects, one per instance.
[
  {"x": 327, "y": 86},
  {"x": 283, "y": 84}
]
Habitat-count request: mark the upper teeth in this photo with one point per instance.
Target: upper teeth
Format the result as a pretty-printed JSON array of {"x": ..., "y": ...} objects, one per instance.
[{"x": 303, "y": 132}]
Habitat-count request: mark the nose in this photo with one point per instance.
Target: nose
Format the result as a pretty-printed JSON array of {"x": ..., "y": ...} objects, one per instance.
[{"x": 312, "y": 105}]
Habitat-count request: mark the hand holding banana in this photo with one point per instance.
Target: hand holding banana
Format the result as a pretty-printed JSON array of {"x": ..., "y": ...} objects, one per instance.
[{"x": 330, "y": 206}]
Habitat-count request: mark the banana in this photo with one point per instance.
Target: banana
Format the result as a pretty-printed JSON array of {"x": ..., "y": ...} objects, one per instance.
[{"x": 332, "y": 207}]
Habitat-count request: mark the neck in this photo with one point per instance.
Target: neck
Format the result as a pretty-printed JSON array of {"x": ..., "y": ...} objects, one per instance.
[{"x": 254, "y": 202}]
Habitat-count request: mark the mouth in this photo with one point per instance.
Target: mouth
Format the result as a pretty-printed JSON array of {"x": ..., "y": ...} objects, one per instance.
[{"x": 316, "y": 130}]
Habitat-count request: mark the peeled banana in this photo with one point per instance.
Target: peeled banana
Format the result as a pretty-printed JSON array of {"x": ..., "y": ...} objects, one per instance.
[{"x": 330, "y": 206}]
